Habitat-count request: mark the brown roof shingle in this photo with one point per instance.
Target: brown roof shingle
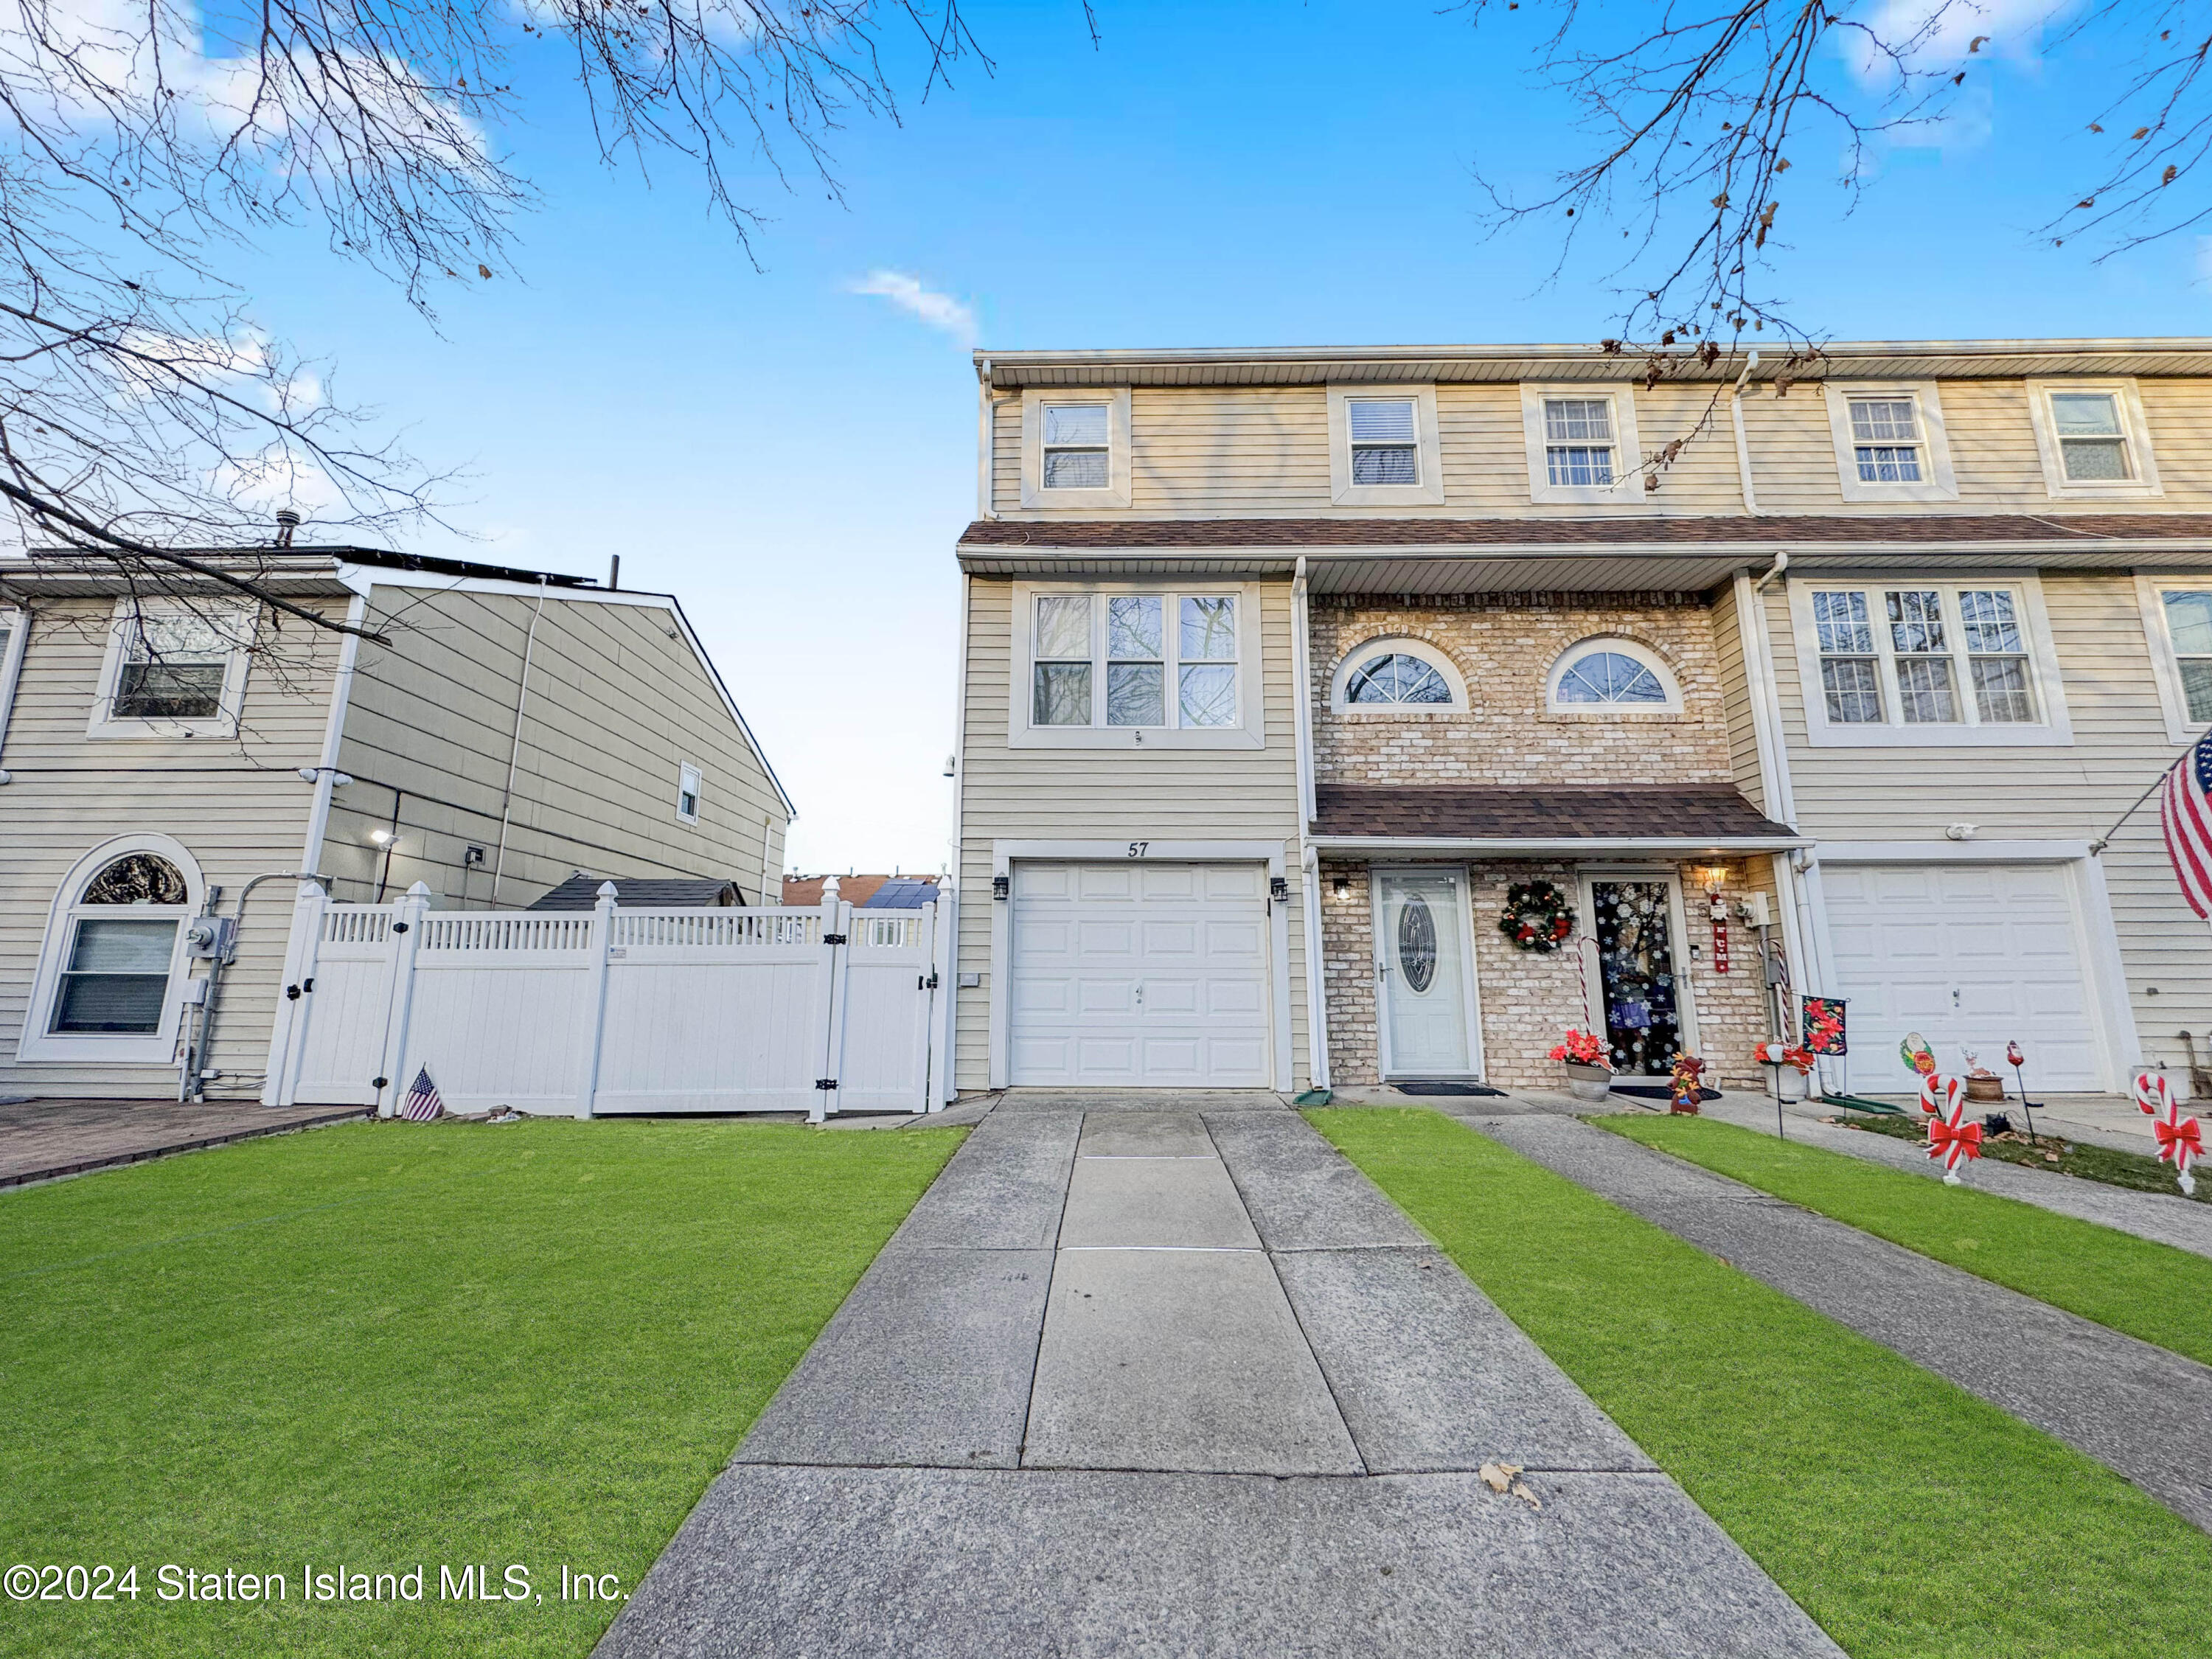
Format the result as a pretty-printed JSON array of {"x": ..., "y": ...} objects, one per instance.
[
  {"x": 1908, "y": 528},
  {"x": 1690, "y": 812}
]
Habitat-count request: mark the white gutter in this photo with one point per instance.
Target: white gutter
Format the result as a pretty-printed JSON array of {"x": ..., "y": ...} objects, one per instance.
[
  {"x": 1742, "y": 442},
  {"x": 11, "y": 670},
  {"x": 1532, "y": 846},
  {"x": 326, "y": 771}
]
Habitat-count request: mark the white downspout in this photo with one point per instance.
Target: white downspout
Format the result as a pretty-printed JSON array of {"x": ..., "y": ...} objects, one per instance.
[
  {"x": 1743, "y": 443},
  {"x": 960, "y": 837},
  {"x": 326, "y": 772},
  {"x": 1317, "y": 1072},
  {"x": 985, "y": 440}
]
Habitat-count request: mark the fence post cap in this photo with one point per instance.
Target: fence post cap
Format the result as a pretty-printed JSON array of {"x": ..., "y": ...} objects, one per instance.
[
  {"x": 607, "y": 892},
  {"x": 419, "y": 891},
  {"x": 830, "y": 888}
]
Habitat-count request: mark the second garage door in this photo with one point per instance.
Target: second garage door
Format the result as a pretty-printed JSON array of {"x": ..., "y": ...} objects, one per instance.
[
  {"x": 1970, "y": 957},
  {"x": 1139, "y": 976}
]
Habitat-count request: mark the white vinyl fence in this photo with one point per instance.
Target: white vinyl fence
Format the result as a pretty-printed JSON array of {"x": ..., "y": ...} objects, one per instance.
[{"x": 615, "y": 1010}]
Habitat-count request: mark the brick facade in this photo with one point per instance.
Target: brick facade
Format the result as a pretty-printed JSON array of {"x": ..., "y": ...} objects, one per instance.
[{"x": 1504, "y": 647}]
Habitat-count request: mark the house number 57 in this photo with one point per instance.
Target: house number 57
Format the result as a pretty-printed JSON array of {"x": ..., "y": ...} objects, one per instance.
[{"x": 1138, "y": 848}]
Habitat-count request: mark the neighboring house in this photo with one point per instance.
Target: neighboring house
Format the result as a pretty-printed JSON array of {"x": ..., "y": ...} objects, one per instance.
[
  {"x": 581, "y": 892},
  {"x": 863, "y": 892},
  {"x": 1280, "y": 669},
  {"x": 519, "y": 726}
]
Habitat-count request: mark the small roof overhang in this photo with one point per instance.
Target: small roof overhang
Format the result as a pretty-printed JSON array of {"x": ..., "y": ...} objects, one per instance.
[
  {"x": 1692, "y": 820},
  {"x": 1684, "y": 848}
]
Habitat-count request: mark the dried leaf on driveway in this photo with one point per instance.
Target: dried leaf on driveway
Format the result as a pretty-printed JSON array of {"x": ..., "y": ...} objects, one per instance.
[{"x": 1498, "y": 1477}]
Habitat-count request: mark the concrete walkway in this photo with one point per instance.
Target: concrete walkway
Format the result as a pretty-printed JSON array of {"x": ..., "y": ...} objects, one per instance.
[
  {"x": 2138, "y": 1409},
  {"x": 2162, "y": 1217},
  {"x": 1183, "y": 1382}
]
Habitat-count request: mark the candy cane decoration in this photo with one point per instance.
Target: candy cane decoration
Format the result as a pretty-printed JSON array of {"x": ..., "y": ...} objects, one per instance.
[
  {"x": 2180, "y": 1141},
  {"x": 1950, "y": 1137}
]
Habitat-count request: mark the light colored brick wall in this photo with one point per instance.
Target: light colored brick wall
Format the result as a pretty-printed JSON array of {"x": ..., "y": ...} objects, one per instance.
[
  {"x": 1528, "y": 996},
  {"x": 1505, "y": 645}
]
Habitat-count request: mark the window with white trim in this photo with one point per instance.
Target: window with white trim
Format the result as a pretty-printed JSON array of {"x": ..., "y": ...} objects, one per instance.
[
  {"x": 1608, "y": 675},
  {"x": 1161, "y": 660},
  {"x": 1885, "y": 439},
  {"x": 1385, "y": 440},
  {"x": 2188, "y": 613},
  {"x": 1077, "y": 447},
  {"x": 109, "y": 970},
  {"x": 173, "y": 667},
  {"x": 688, "y": 779},
  {"x": 2093, "y": 438},
  {"x": 1924, "y": 654},
  {"x": 1577, "y": 442}
]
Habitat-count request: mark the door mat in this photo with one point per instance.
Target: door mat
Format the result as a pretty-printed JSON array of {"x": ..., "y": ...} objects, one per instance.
[
  {"x": 1659, "y": 1091},
  {"x": 1418, "y": 1087}
]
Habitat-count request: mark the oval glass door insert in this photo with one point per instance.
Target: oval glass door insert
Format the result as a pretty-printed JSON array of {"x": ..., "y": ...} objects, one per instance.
[{"x": 1417, "y": 942}]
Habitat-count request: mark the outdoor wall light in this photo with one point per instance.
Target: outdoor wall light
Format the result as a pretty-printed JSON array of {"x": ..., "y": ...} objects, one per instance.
[
  {"x": 1341, "y": 887},
  {"x": 379, "y": 837}
]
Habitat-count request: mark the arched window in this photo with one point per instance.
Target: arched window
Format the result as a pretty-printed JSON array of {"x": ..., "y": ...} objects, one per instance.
[
  {"x": 113, "y": 952},
  {"x": 1610, "y": 676},
  {"x": 1408, "y": 675}
]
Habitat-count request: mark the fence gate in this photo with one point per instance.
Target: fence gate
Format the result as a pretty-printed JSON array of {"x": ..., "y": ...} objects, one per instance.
[{"x": 616, "y": 1010}]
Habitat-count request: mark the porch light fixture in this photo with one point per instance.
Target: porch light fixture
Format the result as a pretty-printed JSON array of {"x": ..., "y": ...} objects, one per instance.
[
  {"x": 1002, "y": 887},
  {"x": 1278, "y": 889}
]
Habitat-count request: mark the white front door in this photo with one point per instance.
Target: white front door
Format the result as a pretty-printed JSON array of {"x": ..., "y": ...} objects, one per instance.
[
  {"x": 1425, "y": 974},
  {"x": 1141, "y": 975},
  {"x": 1970, "y": 956}
]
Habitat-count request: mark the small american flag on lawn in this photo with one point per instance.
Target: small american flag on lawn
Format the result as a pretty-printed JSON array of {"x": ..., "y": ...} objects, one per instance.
[
  {"x": 422, "y": 1102},
  {"x": 2185, "y": 809}
]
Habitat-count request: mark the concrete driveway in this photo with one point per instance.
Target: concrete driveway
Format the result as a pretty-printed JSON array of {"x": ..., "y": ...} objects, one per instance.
[{"x": 1173, "y": 1377}]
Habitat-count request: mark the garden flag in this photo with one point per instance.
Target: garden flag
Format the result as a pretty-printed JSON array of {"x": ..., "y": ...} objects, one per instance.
[
  {"x": 422, "y": 1102},
  {"x": 2184, "y": 812},
  {"x": 2180, "y": 1141},
  {"x": 1950, "y": 1137}
]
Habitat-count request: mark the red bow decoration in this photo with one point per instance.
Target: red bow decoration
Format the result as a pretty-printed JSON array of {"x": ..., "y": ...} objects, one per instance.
[
  {"x": 1942, "y": 1136},
  {"x": 2179, "y": 1144}
]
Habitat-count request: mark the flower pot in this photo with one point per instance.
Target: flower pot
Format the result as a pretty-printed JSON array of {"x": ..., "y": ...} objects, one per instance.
[
  {"x": 1791, "y": 1084},
  {"x": 1986, "y": 1087},
  {"x": 1588, "y": 1082}
]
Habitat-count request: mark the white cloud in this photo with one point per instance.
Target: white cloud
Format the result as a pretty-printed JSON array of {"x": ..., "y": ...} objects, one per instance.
[
  {"x": 1943, "y": 33},
  {"x": 940, "y": 311}
]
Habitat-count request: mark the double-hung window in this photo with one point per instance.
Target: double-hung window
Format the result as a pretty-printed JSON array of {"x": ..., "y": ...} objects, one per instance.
[
  {"x": 1385, "y": 440},
  {"x": 1884, "y": 440},
  {"x": 2091, "y": 439},
  {"x": 1577, "y": 442},
  {"x": 1925, "y": 657},
  {"x": 1077, "y": 446},
  {"x": 174, "y": 667},
  {"x": 1165, "y": 661},
  {"x": 688, "y": 779},
  {"x": 2177, "y": 612}
]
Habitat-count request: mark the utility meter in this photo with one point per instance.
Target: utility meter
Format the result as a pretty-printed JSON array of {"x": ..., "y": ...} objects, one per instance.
[{"x": 211, "y": 938}]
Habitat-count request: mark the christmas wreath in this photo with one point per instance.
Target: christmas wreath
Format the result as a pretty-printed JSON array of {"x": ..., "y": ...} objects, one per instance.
[{"x": 1537, "y": 916}]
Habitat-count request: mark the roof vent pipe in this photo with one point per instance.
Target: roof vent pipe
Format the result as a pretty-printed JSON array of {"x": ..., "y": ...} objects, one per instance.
[{"x": 287, "y": 522}]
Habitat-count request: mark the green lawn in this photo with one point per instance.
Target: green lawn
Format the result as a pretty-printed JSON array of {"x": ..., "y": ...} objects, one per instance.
[
  {"x": 1911, "y": 1519},
  {"x": 395, "y": 1344},
  {"x": 2150, "y": 1291}
]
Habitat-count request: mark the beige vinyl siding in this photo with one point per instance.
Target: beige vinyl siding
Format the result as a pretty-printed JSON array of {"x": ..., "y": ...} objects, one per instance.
[
  {"x": 2073, "y": 792},
  {"x": 1203, "y": 451},
  {"x": 237, "y": 804},
  {"x": 1735, "y": 699},
  {"x": 616, "y": 702},
  {"x": 1080, "y": 794}
]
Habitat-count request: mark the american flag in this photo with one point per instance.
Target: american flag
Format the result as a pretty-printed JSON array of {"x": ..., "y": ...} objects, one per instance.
[
  {"x": 422, "y": 1102},
  {"x": 2184, "y": 810}
]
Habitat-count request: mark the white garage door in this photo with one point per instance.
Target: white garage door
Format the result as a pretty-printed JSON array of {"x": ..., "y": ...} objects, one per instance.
[
  {"x": 1138, "y": 974},
  {"x": 1969, "y": 955}
]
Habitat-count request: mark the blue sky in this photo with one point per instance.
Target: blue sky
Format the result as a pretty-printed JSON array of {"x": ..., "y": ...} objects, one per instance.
[{"x": 795, "y": 459}]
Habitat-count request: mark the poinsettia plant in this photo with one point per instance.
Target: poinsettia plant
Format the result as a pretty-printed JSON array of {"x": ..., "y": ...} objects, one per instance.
[
  {"x": 1580, "y": 1049},
  {"x": 1779, "y": 1053}
]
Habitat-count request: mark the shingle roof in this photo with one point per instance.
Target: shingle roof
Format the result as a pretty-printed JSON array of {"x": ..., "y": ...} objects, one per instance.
[
  {"x": 1702, "y": 531},
  {"x": 1695, "y": 812},
  {"x": 581, "y": 892},
  {"x": 803, "y": 892}
]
